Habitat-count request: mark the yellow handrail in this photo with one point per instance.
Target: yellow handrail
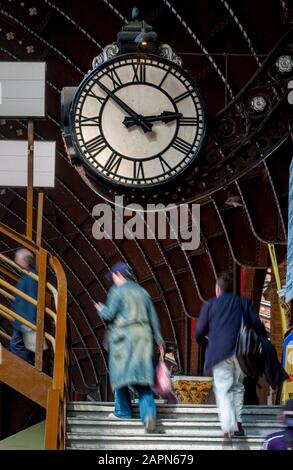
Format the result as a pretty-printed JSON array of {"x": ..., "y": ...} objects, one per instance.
[
  {"x": 26, "y": 297},
  {"x": 11, "y": 297},
  {"x": 55, "y": 425},
  {"x": 279, "y": 285},
  {"x": 6, "y": 294},
  {"x": 5, "y": 335},
  {"x": 9, "y": 273}
]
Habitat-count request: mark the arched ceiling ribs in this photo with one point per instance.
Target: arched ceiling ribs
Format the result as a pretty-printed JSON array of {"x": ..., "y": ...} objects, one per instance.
[
  {"x": 273, "y": 217},
  {"x": 285, "y": 7},
  {"x": 208, "y": 254},
  {"x": 69, "y": 244},
  {"x": 205, "y": 243},
  {"x": 207, "y": 250},
  {"x": 159, "y": 287},
  {"x": 78, "y": 368},
  {"x": 241, "y": 28},
  {"x": 53, "y": 120},
  {"x": 117, "y": 250},
  {"x": 155, "y": 277},
  {"x": 241, "y": 262},
  {"x": 109, "y": 4},
  {"x": 201, "y": 46},
  {"x": 42, "y": 40},
  {"x": 254, "y": 231},
  {"x": 51, "y": 249},
  {"x": 175, "y": 334},
  {"x": 76, "y": 25},
  {"x": 201, "y": 297},
  {"x": 85, "y": 262},
  {"x": 159, "y": 246},
  {"x": 268, "y": 173},
  {"x": 163, "y": 296}
]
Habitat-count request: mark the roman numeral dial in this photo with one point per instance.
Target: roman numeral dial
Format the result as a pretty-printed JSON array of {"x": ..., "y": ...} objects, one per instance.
[
  {"x": 139, "y": 73},
  {"x": 113, "y": 163},
  {"x": 138, "y": 121},
  {"x": 89, "y": 121},
  {"x": 95, "y": 145}
]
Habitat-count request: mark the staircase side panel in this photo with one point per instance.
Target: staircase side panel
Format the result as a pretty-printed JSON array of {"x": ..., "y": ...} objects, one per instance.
[{"x": 24, "y": 378}]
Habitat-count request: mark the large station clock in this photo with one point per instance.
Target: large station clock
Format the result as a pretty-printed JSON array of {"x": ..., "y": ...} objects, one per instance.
[{"x": 138, "y": 120}]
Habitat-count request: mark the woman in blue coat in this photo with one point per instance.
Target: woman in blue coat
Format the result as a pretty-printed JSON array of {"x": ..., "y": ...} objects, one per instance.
[{"x": 133, "y": 327}]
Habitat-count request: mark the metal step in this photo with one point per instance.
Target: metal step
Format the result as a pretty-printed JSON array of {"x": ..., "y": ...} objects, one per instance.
[
  {"x": 182, "y": 412},
  {"x": 98, "y": 427},
  {"x": 158, "y": 442},
  {"x": 185, "y": 427}
]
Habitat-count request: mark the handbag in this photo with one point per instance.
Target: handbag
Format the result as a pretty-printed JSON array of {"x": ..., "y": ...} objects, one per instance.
[
  {"x": 249, "y": 350},
  {"x": 30, "y": 339},
  {"x": 163, "y": 382}
]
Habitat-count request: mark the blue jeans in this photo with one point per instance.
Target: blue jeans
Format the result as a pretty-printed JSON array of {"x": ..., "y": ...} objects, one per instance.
[
  {"x": 18, "y": 348},
  {"x": 147, "y": 406}
]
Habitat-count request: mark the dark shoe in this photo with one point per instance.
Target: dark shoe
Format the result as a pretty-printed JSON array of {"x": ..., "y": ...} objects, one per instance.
[
  {"x": 150, "y": 425},
  {"x": 240, "y": 432}
]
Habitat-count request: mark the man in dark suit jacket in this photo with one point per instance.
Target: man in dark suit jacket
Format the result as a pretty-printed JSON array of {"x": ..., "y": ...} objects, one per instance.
[{"x": 220, "y": 320}]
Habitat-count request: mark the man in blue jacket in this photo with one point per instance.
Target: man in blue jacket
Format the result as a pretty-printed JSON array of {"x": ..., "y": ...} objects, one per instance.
[
  {"x": 22, "y": 307},
  {"x": 220, "y": 320}
]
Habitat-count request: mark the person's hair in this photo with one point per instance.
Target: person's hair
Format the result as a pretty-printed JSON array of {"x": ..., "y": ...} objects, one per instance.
[
  {"x": 26, "y": 254},
  {"x": 225, "y": 282}
]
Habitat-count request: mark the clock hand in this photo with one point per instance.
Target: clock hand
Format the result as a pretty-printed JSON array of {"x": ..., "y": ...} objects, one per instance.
[
  {"x": 165, "y": 116},
  {"x": 138, "y": 119}
]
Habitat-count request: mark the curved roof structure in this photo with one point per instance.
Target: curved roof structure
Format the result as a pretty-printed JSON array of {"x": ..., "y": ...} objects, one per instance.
[{"x": 230, "y": 48}]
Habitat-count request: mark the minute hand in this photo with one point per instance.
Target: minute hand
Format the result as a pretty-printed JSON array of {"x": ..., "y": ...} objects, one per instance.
[
  {"x": 137, "y": 118},
  {"x": 165, "y": 116}
]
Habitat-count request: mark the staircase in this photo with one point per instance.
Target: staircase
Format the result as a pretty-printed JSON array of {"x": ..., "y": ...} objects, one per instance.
[
  {"x": 51, "y": 389},
  {"x": 185, "y": 427}
]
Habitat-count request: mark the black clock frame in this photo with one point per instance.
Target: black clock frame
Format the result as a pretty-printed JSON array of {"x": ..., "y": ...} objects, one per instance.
[{"x": 147, "y": 186}]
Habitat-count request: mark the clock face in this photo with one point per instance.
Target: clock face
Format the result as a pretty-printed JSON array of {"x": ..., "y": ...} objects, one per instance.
[{"x": 138, "y": 120}]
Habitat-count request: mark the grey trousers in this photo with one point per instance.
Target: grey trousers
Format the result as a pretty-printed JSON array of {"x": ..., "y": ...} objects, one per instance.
[{"x": 229, "y": 392}]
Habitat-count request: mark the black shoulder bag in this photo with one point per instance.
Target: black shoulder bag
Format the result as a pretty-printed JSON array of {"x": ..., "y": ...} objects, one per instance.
[{"x": 248, "y": 350}]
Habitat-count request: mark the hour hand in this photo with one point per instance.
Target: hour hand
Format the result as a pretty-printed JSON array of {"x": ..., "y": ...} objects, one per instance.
[{"x": 165, "y": 116}]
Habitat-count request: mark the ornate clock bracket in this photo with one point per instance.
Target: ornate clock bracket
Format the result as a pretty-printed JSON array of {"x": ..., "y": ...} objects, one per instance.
[
  {"x": 112, "y": 50},
  {"x": 136, "y": 36}
]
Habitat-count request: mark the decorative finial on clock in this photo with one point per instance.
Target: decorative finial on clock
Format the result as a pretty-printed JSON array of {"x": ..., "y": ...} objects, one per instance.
[{"x": 135, "y": 13}]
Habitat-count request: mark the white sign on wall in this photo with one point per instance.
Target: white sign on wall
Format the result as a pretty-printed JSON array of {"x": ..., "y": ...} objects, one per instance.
[
  {"x": 289, "y": 277},
  {"x": 14, "y": 163},
  {"x": 22, "y": 89}
]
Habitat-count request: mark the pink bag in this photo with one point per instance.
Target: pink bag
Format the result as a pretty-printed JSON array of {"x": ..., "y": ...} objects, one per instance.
[{"x": 163, "y": 382}]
